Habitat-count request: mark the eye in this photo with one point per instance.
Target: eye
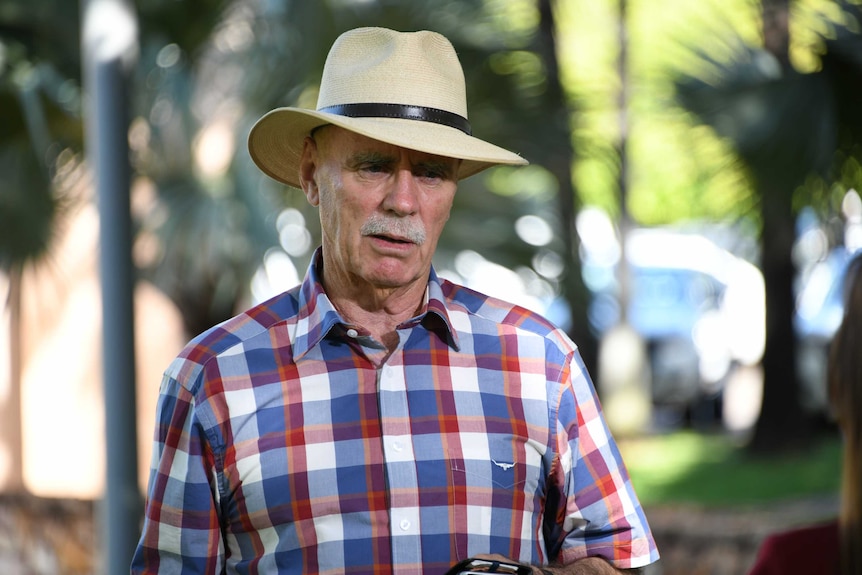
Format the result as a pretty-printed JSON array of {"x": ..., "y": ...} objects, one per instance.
[
  {"x": 431, "y": 173},
  {"x": 374, "y": 168}
]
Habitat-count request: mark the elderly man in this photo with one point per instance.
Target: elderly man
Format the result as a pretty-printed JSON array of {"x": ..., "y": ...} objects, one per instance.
[{"x": 378, "y": 418}]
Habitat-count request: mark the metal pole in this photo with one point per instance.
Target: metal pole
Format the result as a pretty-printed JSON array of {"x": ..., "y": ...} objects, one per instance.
[{"x": 110, "y": 40}]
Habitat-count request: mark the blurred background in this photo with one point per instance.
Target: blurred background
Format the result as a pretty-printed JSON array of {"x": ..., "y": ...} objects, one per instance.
[{"x": 689, "y": 209}]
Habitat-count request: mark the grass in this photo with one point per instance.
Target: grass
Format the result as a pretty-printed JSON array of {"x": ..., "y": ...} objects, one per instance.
[{"x": 715, "y": 470}]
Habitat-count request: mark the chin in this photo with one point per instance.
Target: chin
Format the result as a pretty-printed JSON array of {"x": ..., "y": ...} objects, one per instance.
[
  {"x": 393, "y": 279},
  {"x": 390, "y": 282}
]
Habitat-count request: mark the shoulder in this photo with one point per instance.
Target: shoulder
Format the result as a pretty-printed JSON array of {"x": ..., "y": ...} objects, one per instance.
[
  {"x": 821, "y": 533},
  {"x": 793, "y": 551},
  {"x": 487, "y": 314},
  {"x": 220, "y": 339}
]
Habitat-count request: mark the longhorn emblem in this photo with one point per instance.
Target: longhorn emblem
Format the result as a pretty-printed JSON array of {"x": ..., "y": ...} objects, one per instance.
[{"x": 503, "y": 466}]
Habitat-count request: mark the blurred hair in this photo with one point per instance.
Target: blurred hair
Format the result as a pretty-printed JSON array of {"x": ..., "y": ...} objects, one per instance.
[{"x": 845, "y": 395}]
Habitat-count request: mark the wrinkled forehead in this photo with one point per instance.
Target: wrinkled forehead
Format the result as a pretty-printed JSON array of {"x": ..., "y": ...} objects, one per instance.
[{"x": 333, "y": 139}]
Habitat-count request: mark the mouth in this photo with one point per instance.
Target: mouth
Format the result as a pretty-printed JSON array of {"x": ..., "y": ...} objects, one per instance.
[{"x": 391, "y": 239}]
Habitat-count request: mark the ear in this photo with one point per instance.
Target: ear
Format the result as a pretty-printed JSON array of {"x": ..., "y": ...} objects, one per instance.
[{"x": 307, "y": 169}]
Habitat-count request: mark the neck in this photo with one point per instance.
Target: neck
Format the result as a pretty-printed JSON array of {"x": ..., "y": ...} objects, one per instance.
[
  {"x": 380, "y": 320},
  {"x": 378, "y": 309}
]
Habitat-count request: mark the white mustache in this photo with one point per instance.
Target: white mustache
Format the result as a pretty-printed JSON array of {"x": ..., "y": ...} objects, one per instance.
[{"x": 378, "y": 225}]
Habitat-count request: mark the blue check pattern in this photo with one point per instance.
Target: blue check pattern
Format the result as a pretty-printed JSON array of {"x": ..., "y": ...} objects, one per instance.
[{"x": 288, "y": 442}]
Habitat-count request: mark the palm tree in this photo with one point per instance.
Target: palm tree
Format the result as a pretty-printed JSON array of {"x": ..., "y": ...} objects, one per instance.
[
  {"x": 786, "y": 127},
  {"x": 41, "y": 138},
  {"x": 38, "y": 120}
]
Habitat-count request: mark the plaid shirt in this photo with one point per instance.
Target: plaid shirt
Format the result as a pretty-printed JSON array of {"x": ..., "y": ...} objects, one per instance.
[{"x": 288, "y": 442}]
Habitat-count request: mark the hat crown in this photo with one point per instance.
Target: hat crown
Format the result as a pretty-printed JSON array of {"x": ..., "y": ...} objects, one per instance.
[{"x": 377, "y": 65}]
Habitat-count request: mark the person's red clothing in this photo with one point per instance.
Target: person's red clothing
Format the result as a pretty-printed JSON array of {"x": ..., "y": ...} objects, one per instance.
[{"x": 806, "y": 550}]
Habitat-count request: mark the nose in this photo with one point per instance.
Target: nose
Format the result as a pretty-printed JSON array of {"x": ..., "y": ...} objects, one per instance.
[{"x": 403, "y": 198}]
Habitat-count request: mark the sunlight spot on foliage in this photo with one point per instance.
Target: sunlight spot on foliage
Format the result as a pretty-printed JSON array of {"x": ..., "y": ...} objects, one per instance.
[
  {"x": 548, "y": 264},
  {"x": 534, "y": 230},
  {"x": 513, "y": 16},
  {"x": 527, "y": 66},
  {"x": 214, "y": 149},
  {"x": 68, "y": 95},
  {"x": 162, "y": 112},
  {"x": 851, "y": 206},
  {"x": 235, "y": 36},
  {"x": 293, "y": 235},
  {"x": 139, "y": 135},
  {"x": 498, "y": 281},
  {"x": 599, "y": 243},
  {"x": 168, "y": 56},
  {"x": 527, "y": 181},
  {"x": 273, "y": 277}
]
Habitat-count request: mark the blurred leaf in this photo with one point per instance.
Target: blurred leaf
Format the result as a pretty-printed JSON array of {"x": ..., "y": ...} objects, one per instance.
[
  {"x": 784, "y": 124},
  {"x": 27, "y": 206},
  {"x": 39, "y": 117},
  {"x": 187, "y": 23},
  {"x": 753, "y": 107}
]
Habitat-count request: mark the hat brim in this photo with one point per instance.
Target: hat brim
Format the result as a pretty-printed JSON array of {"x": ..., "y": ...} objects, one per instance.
[{"x": 275, "y": 141}]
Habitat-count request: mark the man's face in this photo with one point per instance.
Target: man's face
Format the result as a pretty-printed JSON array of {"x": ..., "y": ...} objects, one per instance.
[{"x": 382, "y": 208}]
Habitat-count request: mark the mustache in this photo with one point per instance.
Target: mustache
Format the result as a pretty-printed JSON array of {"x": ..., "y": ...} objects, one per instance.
[{"x": 378, "y": 225}]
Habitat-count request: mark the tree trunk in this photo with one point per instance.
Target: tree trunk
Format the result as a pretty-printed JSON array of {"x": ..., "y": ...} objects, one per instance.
[
  {"x": 776, "y": 30},
  {"x": 782, "y": 423},
  {"x": 559, "y": 162}
]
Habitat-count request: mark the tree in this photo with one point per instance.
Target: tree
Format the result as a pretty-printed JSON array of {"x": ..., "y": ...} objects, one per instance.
[
  {"x": 559, "y": 160},
  {"x": 781, "y": 418},
  {"x": 41, "y": 144},
  {"x": 39, "y": 121},
  {"x": 785, "y": 126}
]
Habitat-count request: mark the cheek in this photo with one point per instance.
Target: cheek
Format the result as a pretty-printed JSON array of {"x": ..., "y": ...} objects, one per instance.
[
  {"x": 340, "y": 218},
  {"x": 332, "y": 215},
  {"x": 326, "y": 213},
  {"x": 439, "y": 216}
]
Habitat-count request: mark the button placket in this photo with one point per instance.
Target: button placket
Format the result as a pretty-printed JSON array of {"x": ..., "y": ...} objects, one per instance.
[{"x": 400, "y": 463}]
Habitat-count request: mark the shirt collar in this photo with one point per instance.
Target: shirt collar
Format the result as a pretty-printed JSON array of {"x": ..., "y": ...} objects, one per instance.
[{"x": 317, "y": 316}]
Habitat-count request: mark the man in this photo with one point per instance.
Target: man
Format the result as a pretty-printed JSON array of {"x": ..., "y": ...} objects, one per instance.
[{"x": 376, "y": 418}]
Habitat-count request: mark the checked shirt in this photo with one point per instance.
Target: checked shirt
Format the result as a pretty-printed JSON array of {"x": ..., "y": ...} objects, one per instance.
[{"x": 288, "y": 442}]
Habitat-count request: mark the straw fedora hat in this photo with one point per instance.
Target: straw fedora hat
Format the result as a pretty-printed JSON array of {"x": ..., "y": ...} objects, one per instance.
[{"x": 402, "y": 88}]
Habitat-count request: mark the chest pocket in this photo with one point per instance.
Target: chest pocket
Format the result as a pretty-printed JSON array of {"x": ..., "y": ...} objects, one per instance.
[
  {"x": 488, "y": 464},
  {"x": 496, "y": 492}
]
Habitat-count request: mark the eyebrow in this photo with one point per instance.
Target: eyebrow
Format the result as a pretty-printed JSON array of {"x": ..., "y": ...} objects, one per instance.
[
  {"x": 369, "y": 157},
  {"x": 447, "y": 169}
]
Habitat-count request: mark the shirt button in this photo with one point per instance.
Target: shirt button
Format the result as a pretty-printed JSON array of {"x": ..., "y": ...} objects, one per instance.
[
  {"x": 352, "y": 332},
  {"x": 405, "y": 524},
  {"x": 397, "y": 446}
]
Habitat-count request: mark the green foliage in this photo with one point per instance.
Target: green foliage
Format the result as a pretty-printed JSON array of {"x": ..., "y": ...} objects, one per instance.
[
  {"x": 716, "y": 470},
  {"x": 40, "y": 32},
  {"x": 679, "y": 171},
  {"x": 790, "y": 128},
  {"x": 39, "y": 118},
  {"x": 27, "y": 206},
  {"x": 189, "y": 24},
  {"x": 207, "y": 60},
  {"x": 676, "y": 172}
]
